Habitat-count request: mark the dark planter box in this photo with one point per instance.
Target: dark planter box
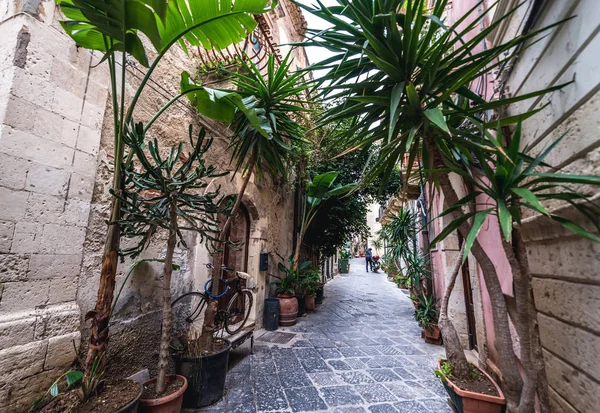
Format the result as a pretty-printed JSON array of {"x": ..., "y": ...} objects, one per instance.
[
  {"x": 206, "y": 377},
  {"x": 343, "y": 266}
]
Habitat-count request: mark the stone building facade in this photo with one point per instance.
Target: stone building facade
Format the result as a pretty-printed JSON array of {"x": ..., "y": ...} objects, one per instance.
[
  {"x": 564, "y": 266},
  {"x": 55, "y": 157}
]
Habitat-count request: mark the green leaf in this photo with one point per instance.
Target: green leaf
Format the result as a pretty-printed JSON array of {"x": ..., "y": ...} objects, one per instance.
[
  {"x": 571, "y": 226},
  {"x": 530, "y": 197},
  {"x": 73, "y": 376},
  {"x": 505, "y": 220},
  {"x": 54, "y": 389},
  {"x": 396, "y": 97},
  {"x": 413, "y": 96},
  {"x": 436, "y": 116},
  {"x": 477, "y": 223}
]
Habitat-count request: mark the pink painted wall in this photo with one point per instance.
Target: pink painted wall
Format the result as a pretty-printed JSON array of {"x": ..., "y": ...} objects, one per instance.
[{"x": 489, "y": 236}]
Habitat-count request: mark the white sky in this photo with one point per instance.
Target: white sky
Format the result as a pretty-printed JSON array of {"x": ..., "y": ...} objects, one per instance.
[{"x": 316, "y": 54}]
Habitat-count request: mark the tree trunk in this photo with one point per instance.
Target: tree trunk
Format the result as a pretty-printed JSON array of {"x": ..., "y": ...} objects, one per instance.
[
  {"x": 163, "y": 355},
  {"x": 100, "y": 316},
  {"x": 511, "y": 379},
  {"x": 208, "y": 327},
  {"x": 537, "y": 357},
  {"x": 454, "y": 351}
]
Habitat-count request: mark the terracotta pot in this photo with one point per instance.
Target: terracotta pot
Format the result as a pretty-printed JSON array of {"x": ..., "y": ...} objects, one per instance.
[
  {"x": 168, "y": 404},
  {"x": 288, "y": 309},
  {"x": 469, "y": 402},
  {"x": 433, "y": 333},
  {"x": 310, "y": 303}
]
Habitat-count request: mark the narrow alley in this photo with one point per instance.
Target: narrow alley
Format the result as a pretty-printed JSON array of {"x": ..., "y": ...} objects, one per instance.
[{"x": 360, "y": 351}]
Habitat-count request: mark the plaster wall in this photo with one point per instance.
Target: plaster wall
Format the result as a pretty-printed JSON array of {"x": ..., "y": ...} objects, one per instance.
[
  {"x": 374, "y": 227},
  {"x": 55, "y": 173}
]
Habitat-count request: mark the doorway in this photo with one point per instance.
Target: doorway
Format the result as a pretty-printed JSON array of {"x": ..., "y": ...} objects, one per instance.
[{"x": 234, "y": 254}]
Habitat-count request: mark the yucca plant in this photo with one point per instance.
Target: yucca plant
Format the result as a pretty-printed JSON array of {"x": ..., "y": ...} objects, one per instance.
[
  {"x": 276, "y": 97},
  {"x": 116, "y": 26},
  {"x": 403, "y": 78},
  {"x": 399, "y": 233},
  {"x": 168, "y": 193}
]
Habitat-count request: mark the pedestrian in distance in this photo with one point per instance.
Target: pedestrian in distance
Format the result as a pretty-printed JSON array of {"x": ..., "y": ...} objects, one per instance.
[{"x": 369, "y": 259}]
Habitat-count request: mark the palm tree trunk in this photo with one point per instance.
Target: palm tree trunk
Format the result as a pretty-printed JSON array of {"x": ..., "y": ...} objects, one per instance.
[
  {"x": 163, "y": 355},
  {"x": 100, "y": 316},
  {"x": 454, "y": 351},
  {"x": 511, "y": 379},
  {"x": 208, "y": 327}
]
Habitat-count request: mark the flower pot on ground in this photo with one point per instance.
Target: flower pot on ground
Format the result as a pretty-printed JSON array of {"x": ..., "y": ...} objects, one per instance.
[
  {"x": 320, "y": 296},
  {"x": 433, "y": 334},
  {"x": 167, "y": 401},
  {"x": 205, "y": 374},
  {"x": 481, "y": 394},
  {"x": 288, "y": 309},
  {"x": 343, "y": 266},
  {"x": 310, "y": 303},
  {"x": 302, "y": 308}
]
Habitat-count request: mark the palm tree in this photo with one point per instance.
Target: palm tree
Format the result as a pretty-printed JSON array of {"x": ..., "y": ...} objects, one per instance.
[
  {"x": 115, "y": 26},
  {"x": 402, "y": 77},
  {"x": 276, "y": 98}
]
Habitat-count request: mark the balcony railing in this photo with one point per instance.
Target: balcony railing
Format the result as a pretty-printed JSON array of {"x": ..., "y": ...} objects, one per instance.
[{"x": 256, "y": 47}]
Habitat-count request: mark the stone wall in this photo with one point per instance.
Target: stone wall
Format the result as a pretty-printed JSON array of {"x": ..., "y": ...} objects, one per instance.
[
  {"x": 565, "y": 267},
  {"x": 51, "y": 111},
  {"x": 55, "y": 161}
]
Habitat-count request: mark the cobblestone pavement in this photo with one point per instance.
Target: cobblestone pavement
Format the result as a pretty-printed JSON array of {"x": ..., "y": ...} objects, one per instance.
[{"x": 360, "y": 351}]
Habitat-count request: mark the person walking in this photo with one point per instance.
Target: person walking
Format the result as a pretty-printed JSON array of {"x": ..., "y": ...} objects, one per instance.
[{"x": 369, "y": 259}]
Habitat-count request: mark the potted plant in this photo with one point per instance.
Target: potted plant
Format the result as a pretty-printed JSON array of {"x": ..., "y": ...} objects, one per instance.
[
  {"x": 343, "y": 263},
  {"x": 160, "y": 192},
  {"x": 426, "y": 314},
  {"x": 310, "y": 281},
  {"x": 90, "y": 392},
  {"x": 286, "y": 291}
]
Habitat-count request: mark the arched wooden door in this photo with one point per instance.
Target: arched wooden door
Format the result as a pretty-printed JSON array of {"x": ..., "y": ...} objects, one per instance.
[{"x": 234, "y": 256}]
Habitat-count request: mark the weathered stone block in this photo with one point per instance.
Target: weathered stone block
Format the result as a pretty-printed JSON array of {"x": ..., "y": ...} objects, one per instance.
[
  {"x": 24, "y": 295},
  {"x": 84, "y": 164},
  {"x": 76, "y": 212},
  {"x": 67, "y": 104},
  {"x": 12, "y": 204},
  {"x": 62, "y": 239},
  {"x": 81, "y": 187},
  {"x": 16, "y": 332},
  {"x": 61, "y": 351},
  {"x": 579, "y": 390},
  {"x": 33, "y": 88},
  {"x": 47, "y": 125},
  {"x": 573, "y": 303},
  {"x": 20, "y": 114},
  {"x": 13, "y": 173},
  {"x": 576, "y": 346},
  {"x": 88, "y": 140},
  {"x": 13, "y": 267},
  {"x": 56, "y": 320},
  {"x": 47, "y": 180},
  {"x": 6, "y": 235},
  {"x": 28, "y": 146},
  {"x": 52, "y": 266},
  {"x": 22, "y": 361},
  {"x": 44, "y": 208},
  {"x": 558, "y": 404},
  {"x": 69, "y": 132},
  {"x": 26, "y": 238},
  {"x": 62, "y": 290},
  {"x": 92, "y": 116}
]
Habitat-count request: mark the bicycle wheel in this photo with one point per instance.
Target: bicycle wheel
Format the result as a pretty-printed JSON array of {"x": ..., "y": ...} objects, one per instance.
[
  {"x": 238, "y": 311},
  {"x": 188, "y": 315}
]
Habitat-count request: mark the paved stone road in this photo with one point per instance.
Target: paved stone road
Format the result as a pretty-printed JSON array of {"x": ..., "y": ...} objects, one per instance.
[{"x": 360, "y": 351}]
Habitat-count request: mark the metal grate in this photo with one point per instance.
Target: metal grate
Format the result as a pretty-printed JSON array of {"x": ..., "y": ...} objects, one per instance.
[{"x": 277, "y": 337}]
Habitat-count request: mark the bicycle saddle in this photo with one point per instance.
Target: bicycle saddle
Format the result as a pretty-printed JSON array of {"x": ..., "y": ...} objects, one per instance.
[{"x": 243, "y": 275}]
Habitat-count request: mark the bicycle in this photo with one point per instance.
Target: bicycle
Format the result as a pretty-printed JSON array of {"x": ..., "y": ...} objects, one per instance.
[{"x": 193, "y": 304}]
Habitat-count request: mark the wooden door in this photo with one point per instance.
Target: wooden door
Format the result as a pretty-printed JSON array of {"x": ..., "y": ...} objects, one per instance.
[{"x": 234, "y": 256}]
